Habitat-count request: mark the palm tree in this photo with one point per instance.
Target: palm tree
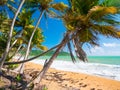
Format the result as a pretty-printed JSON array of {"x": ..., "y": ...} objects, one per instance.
[
  {"x": 24, "y": 25},
  {"x": 24, "y": 19},
  {"x": 8, "y": 5},
  {"x": 4, "y": 30},
  {"x": 2, "y": 60},
  {"x": 43, "y": 7},
  {"x": 84, "y": 22},
  {"x": 89, "y": 23}
]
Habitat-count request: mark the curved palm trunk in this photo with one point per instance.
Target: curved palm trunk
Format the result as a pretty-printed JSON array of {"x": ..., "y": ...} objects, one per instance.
[
  {"x": 29, "y": 43},
  {"x": 13, "y": 44},
  {"x": 2, "y": 60},
  {"x": 19, "y": 62},
  {"x": 71, "y": 53},
  {"x": 15, "y": 41},
  {"x": 79, "y": 51},
  {"x": 48, "y": 64},
  {"x": 14, "y": 54}
]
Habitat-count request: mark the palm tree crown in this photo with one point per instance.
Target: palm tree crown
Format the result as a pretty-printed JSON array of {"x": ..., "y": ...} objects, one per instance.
[{"x": 87, "y": 20}]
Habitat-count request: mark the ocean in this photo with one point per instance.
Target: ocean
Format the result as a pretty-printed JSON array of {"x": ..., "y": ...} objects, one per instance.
[
  {"x": 111, "y": 60},
  {"x": 104, "y": 66}
]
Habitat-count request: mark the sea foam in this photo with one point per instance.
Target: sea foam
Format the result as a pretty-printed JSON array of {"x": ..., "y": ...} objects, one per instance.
[{"x": 103, "y": 70}]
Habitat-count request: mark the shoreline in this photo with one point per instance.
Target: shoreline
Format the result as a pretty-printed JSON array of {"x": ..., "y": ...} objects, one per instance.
[
  {"x": 102, "y": 70},
  {"x": 67, "y": 80}
]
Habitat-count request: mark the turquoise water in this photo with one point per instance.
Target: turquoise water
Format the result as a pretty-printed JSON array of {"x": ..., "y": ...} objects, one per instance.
[{"x": 114, "y": 60}]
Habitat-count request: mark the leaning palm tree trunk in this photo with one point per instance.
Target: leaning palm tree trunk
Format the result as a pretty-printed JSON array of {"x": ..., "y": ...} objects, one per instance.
[
  {"x": 13, "y": 44},
  {"x": 2, "y": 60},
  {"x": 79, "y": 51},
  {"x": 30, "y": 59},
  {"x": 71, "y": 53},
  {"x": 29, "y": 43},
  {"x": 14, "y": 54},
  {"x": 48, "y": 64},
  {"x": 20, "y": 33}
]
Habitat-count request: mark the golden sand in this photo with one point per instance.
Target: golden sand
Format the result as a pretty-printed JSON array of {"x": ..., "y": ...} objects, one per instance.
[{"x": 63, "y": 80}]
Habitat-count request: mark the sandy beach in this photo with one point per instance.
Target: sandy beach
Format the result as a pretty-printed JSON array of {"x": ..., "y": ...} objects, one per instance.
[
  {"x": 97, "y": 69},
  {"x": 67, "y": 80}
]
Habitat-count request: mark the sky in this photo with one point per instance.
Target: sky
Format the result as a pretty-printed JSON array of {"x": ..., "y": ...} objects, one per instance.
[
  {"x": 54, "y": 29},
  {"x": 108, "y": 47}
]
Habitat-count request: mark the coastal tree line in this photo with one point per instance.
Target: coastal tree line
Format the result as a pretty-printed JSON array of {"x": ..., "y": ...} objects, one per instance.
[{"x": 20, "y": 31}]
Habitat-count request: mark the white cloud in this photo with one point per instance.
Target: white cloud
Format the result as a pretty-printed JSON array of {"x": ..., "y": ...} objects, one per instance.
[
  {"x": 111, "y": 44},
  {"x": 97, "y": 49},
  {"x": 111, "y": 50},
  {"x": 113, "y": 53}
]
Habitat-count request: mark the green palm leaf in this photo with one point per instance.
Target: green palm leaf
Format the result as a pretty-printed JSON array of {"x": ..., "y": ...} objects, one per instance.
[
  {"x": 106, "y": 30},
  {"x": 97, "y": 12}
]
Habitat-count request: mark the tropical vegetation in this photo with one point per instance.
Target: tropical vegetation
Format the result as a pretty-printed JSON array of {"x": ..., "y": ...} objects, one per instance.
[{"x": 20, "y": 31}]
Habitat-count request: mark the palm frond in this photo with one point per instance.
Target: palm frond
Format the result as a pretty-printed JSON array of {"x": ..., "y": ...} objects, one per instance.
[
  {"x": 81, "y": 6},
  {"x": 97, "y": 12},
  {"x": 88, "y": 36},
  {"x": 59, "y": 6},
  {"x": 31, "y": 4},
  {"x": 115, "y": 3},
  {"x": 109, "y": 31},
  {"x": 111, "y": 19},
  {"x": 13, "y": 9}
]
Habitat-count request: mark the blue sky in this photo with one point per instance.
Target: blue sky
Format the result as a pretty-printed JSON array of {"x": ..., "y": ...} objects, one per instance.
[{"x": 54, "y": 29}]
